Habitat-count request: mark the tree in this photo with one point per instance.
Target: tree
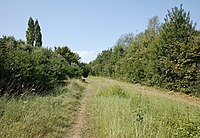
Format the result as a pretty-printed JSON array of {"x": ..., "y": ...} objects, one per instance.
[
  {"x": 176, "y": 50},
  {"x": 70, "y": 56},
  {"x": 153, "y": 27},
  {"x": 125, "y": 40},
  {"x": 38, "y": 35},
  {"x": 33, "y": 33},
  {"x": 30, "y": 36},
  {"x": 166, "y": 55}
]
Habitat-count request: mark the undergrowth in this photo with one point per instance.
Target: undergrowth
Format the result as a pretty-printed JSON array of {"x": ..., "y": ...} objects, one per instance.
[{"x": 41, "y": 116}]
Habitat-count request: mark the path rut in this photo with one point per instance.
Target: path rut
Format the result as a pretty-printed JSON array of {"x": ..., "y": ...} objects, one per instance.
[{"x": 80, "y": 123}]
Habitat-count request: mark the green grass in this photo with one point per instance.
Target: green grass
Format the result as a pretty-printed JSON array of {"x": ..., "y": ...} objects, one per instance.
[
  {"x": 40, "y": 116},
  {"x": 116, "y": 113}
]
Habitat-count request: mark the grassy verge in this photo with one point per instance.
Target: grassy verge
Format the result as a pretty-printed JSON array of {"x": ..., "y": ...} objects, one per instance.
[
  {"x": 36, "y": 116},
  {"x": 116, "y": 113}
]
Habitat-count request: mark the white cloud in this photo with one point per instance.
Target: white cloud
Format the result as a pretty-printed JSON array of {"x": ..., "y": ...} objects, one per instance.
[{"x": 86, "y": 56}]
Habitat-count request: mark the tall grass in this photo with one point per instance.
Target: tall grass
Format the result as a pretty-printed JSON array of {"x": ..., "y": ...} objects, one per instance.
[
  {"x": 40, "y": 116},
  {"x": 115, "y": 113}
]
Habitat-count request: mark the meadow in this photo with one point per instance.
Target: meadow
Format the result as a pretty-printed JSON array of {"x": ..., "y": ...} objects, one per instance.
[
  {"x": 120, "y": 112},
  {"x": 114, "y": 109}
]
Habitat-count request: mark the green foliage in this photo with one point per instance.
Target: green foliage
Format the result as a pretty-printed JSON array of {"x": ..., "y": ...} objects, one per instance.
[
  {"x": 164, "y": 55},
  {"x": 101, "y": 65},
  {"x": 38, "y": 34},
  {"x": 33, "y": 33},
  {"x": 86, "y": 69},
  {"x": 177, "y": 50},
  {"x": 66, "y": 53},
  {"x": 26, "y": 67},
  {"x": 75, "y": 69},
  {"x": 125, "y": 40},
  {"x": 30, "y": 33},
  {"x": 36, "y": 69}
]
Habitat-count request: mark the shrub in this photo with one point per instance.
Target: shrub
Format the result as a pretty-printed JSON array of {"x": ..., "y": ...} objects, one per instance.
[{"x": 23, "y": 66}]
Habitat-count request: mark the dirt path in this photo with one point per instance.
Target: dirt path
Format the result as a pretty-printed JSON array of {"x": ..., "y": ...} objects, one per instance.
[
  {"x": 79, "y": 126},
  {"x": 94, "y": 84},
  {"x": 77, "y": 129}
]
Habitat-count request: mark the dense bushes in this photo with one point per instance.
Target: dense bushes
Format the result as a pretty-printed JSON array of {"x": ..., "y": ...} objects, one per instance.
[
  {"x": 26, "y": 67},
  {"x": 166, "y": 55}
]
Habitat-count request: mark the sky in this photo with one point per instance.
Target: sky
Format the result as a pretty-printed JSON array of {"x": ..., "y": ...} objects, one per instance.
[{"x": 86, "y": 26}]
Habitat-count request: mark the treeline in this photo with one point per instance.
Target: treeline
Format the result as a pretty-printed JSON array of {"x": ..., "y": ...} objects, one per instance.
[
  {"x": 165, "y": 55},
  {"x": 27, "y": 66}
]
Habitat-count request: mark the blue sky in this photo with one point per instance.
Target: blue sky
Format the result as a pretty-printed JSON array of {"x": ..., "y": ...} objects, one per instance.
[{"x": 86, "y": 26}]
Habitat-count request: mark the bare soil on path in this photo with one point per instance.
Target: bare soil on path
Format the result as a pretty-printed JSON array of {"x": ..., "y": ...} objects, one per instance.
[
  {"x": 97, "y": 83},
  {"x": 80, "y": 123}
]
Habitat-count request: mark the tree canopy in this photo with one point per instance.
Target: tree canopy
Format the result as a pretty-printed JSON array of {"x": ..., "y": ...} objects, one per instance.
[
  {"x": 30, "y": 32},
  {"x": 33, "y": 33},
  {"x": 165, "y": 55},
  {"x": 38, "y": 34},
  {"x": 24, "y": 66}
]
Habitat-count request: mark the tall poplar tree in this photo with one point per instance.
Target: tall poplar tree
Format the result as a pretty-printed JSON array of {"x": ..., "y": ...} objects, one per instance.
[
  {"x": 30, "y": 32},
  {"x": 38, "y": 35}
]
